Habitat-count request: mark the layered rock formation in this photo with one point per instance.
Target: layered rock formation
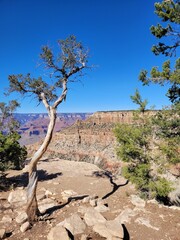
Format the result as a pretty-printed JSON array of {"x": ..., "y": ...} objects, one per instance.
[
  {"x": 33, "y": 127},
  {"x": 91, "y": 140}
]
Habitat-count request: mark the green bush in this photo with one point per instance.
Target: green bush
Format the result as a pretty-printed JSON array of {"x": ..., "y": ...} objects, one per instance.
[
  {"x": 12, "y": 155},
  {"x": 136, "y": 147},
  {"x": 148, "y": 186},
  {"x": 160, "y": 188},
  {"x": 134, "y": 142}
]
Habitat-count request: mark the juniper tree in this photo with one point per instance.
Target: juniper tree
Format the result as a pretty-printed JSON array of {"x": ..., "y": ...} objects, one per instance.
[
  {"x": 169, "y": 30},
  {"x": 12, "y": 155},
  {"x": 62, "y": 69}
]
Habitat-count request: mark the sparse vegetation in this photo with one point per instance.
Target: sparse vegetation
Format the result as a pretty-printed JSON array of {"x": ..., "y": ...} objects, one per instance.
[
  {"x": 12, "y": 155},
  {"x": 141, "y": 147},
  {"x": 151, "y": 144}
]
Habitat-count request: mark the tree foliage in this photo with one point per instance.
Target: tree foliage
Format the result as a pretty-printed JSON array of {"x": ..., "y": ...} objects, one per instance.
[
  {"x": 137, "y": 99},
  {"x": 71, "y": 60},
  {"x": 167, "y": 124},
  {"x": 136, "y": 148},
  {"x": 12, "y": 155},
  {"x": 7, "y": 121},
  {"x": 169, "y": 13},
  {"x": 149, "y": 146}
]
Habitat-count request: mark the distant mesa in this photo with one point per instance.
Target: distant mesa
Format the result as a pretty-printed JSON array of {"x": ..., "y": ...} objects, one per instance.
[{"x": 33, "y": 126}]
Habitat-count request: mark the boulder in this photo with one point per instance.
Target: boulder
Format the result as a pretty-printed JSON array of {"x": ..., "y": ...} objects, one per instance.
[
  {"x": 110, "y": 229},
  {"x": 58, "y": 233},
  {"x": 46, "y": 204},
  {"x": 25, "y": 226},
  {"x": 125, "y": 215},
  {"x": 93, "y": 217},
  {"x": 74, "y": 224},
  {"x": 21, "y": 218}
]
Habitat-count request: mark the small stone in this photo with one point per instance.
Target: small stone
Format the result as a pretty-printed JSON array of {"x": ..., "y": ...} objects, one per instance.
[
  {"x": 58, "y": 233},
  {"x": 25, "y": 226},
  {"x": 2, "y": 233},
  {"x": 84, "y": 237},
  {"x": 137, "y": 201},
  {"x": 46, "y": 204},
  {"x": 48, "y": 193},
  {"x": 18, "y": 197},
  {"x": 21, "y": 218},
  {"x": 101, "y": 208},
  {"x": 41, "y": 196},
  {"x": 7, "y": 205},
  {"x": 8, "y": 211},
  {"x": 7, "y": 219},
  {"x": 66, "y": 194},
  {"x": 93, "y": 202},
  {"x": 86, "y": 199},
  {"x": 90, "y": 198}
]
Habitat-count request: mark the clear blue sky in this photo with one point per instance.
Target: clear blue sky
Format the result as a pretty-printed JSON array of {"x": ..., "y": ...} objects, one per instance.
[{"x": 116, "y": 32}]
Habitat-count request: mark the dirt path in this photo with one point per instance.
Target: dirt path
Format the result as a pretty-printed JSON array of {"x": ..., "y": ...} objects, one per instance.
[{"x": 141, "y": 222}]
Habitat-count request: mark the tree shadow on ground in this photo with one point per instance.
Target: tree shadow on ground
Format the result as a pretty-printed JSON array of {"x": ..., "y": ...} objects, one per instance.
[
  {"x": 108, "y": 174},
  {"x": 21, "y": 180},
  {"x": 126, "y": 233},
  {"x": 49, "y": 211}
]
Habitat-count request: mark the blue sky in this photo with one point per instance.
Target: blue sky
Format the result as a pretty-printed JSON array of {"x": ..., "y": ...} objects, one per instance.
[{"x": 116, "y": 32}]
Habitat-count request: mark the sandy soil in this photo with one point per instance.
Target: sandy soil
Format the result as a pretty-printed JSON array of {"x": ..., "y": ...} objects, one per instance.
[{"x": 152, "y": 222}]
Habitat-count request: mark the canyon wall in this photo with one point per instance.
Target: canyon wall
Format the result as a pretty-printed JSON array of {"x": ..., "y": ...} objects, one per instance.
[{"x": 91, "y": 140}]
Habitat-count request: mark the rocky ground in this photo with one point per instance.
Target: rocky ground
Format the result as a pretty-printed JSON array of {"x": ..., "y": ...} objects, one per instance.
[{"x": 80, "y": 201}]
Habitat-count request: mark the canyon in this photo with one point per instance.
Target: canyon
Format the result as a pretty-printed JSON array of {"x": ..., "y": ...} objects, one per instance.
[
  {"x": 85, "y": 190},
  {"x": 33, "y": 126},
  {"x": 91, "y": 140}
]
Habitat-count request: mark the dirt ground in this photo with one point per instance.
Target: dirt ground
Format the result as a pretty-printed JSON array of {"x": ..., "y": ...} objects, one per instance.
[{"x": 152, "y": 222}]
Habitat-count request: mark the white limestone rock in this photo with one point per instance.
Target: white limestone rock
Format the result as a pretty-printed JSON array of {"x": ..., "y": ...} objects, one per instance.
[
  {"x": 74, "y": 224},
  {"x": 93, "y": 217},
  {"x": 17, "y": 198},
  {"x": 58, "y": 233}
]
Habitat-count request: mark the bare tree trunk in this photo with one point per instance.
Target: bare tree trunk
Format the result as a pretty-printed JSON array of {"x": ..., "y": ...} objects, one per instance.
[{"x": 32, "y": 206}]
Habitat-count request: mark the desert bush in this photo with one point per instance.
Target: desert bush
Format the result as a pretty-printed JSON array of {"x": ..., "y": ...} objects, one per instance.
[{"x": 12, "y": 155}]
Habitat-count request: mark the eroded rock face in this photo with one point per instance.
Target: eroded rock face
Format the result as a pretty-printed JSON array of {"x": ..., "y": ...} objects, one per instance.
[{"x": 91, "y": 140}]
